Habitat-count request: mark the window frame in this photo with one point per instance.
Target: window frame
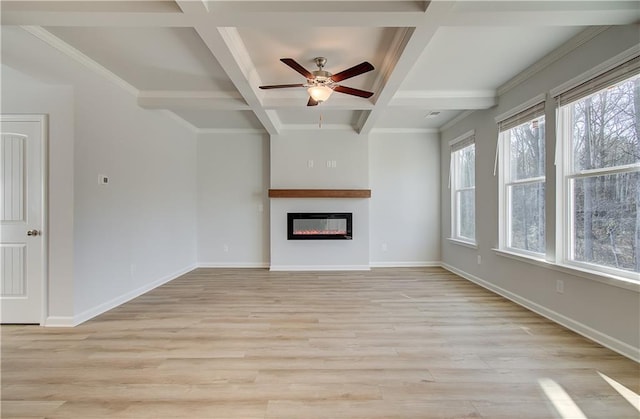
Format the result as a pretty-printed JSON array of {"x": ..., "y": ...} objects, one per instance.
[
  {"x": 565, "y": 175},
  {"x": 467, "y": 140},
  {"x": 521, "y": 115}
]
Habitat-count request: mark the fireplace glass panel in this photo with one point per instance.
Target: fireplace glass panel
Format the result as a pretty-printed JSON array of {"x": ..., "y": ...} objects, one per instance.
[{"x": 314, "y": 226}]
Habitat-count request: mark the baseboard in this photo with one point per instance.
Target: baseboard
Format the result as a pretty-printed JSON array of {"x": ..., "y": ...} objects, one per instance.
[
  {"x": 284, "y": 268},
  {"x": 59, "y": 321},
  {"x": 233, "y": 264},
  {"x": 111, "y": 304},
  {"x": 422, "y": 264},
  {"x": 603, "y": 339}
]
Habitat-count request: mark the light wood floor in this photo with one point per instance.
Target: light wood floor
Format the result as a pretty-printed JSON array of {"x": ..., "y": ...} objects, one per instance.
[{"x": 390, "y": 343}]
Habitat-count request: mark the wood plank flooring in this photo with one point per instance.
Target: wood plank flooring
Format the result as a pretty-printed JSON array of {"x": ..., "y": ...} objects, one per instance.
[{"x": 249, "y": 343}]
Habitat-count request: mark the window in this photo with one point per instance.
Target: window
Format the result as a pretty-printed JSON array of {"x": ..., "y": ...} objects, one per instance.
[
  {"x": 599, "y": 172},
  {"x": 522, "y": 180},
  {"x": 463, "y": 188}
]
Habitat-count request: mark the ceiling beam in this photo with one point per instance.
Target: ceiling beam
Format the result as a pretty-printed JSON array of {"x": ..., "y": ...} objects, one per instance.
[
  {"x": 226, "y": 46},
  {"x": 409, "y": 50},
  {"x": 221, "y": 14}
]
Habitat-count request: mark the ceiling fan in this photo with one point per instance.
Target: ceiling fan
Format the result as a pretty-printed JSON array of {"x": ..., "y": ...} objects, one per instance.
[{"x": 320, "y": 84}]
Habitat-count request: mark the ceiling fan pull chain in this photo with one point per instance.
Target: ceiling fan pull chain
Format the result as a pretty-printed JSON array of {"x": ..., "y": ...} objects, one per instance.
[{"x": 320, "y": 122}]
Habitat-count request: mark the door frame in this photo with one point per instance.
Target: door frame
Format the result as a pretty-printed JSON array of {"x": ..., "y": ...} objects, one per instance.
[{"x": 43, "y": 120}]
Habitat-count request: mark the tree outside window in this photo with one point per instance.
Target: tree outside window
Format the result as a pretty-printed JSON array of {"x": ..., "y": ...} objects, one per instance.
[
  {"x": 463, "y": 160},
  {"x": 524, "y": 186},
  {"x": 602, "y": 177}
]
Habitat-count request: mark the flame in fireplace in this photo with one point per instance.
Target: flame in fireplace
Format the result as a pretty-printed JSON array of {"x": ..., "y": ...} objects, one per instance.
[{"x": 308, "y": 232}]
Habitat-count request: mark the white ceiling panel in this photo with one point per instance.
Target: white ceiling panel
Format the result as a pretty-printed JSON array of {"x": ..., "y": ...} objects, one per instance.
[
  {"x": 151, "y": 58},
  {"x": 481, "y": 58},
  {"x": 342, "y": 47}
]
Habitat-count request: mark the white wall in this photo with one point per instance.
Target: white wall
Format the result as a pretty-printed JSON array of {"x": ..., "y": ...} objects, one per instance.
[
  {"x": 233, "y": 208},
  {"x": 605, "y": 313},
  {"x": 109, "y": 243},
  {"x": 290, "y": 156},
  {"x": 405, "y": 201},
  {"x": 141, "y": 228},
  {"x": 291, "y": 152}
]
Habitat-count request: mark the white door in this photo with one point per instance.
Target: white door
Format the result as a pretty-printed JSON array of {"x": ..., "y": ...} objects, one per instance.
[{"x": 22, "y": 243}]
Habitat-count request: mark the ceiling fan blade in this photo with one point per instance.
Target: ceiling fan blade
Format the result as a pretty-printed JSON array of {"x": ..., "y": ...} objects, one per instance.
[
  {"x": 281, "y": 86},
  {"x": 352, "y": 72},
  {"x": 312, "y": 102},
  {"x": 300, "y": 69},
  {"x": 352, "y": 91}
]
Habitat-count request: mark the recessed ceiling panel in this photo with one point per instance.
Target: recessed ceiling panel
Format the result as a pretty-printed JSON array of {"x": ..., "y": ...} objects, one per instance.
[
  {"x": 342, "y": 47},
  {"x": 480, "y": 58},
  {"x": 150, "y": 58}
]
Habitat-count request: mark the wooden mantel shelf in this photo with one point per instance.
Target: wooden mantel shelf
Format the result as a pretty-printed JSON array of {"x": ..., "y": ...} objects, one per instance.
[{"x": 319, "y": 193}]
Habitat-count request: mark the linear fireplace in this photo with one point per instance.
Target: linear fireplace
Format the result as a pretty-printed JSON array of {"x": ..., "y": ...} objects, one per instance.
[{"x": 319, "y": 226}]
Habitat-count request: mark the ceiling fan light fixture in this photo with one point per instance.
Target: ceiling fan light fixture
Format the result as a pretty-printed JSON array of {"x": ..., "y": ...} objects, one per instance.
[{"x": 320, "y": 93}]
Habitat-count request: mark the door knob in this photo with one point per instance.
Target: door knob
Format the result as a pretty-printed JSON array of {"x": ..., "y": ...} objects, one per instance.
[{"x": 33, "y": 233}]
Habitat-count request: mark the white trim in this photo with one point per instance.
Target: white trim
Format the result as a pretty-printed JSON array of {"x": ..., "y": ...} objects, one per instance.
[
  {"x": 115, "y": 302},
  {"x": 405, "y": 264},
  {"x": 233, "y": 265},
  {"x": 463, "y": 243},
  {"x": 604, "y": 278},
  {"x": 285, "y": 268},
  {"x": 597, "y": 70},
  {"x": 580, "y": 328},
  {"x": 59, "y": 321},
  {"x": 522, "y": 107}
]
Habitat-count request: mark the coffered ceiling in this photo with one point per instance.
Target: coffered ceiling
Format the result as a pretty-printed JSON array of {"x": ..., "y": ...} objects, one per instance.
[{"x": 204, "y": 60}]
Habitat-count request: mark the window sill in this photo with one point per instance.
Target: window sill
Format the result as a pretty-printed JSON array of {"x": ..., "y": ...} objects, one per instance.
[
  {"x": 463, "y": 243},
  {"x": 604, "y": 278}
]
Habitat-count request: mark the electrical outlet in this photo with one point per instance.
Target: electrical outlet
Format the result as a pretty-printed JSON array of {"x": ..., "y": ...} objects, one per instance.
[
  {"x": 479, "y": 259},
  {"x": 225, "y": 247},
  {"x": 560, "y": 286},
  {"x": 103, "y": 179},
  {"x": 310, "y": 164},
  {"x": 384, "y": 247}
]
